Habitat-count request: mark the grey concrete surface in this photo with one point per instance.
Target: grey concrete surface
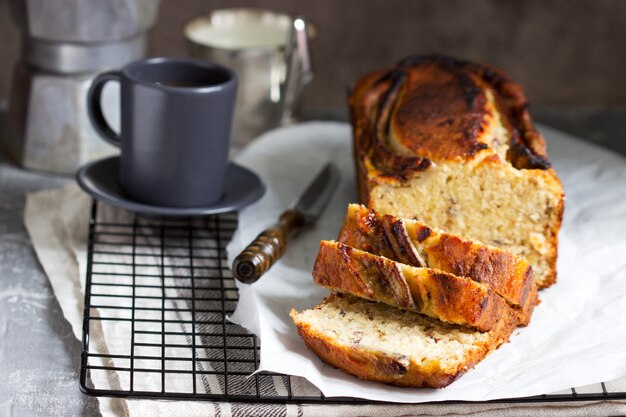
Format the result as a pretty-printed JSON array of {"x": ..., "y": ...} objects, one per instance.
[{"x": 39, "y": 355}]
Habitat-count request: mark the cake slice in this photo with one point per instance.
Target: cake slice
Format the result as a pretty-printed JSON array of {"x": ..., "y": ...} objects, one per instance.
[
  {"x": 416, "y": 244},
  {"x": 377, "y": 342},
  {"x": 435, "y": 293}
]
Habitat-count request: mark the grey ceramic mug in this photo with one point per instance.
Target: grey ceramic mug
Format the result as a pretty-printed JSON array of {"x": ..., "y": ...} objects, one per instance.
[{"x": 176, "y": 116}]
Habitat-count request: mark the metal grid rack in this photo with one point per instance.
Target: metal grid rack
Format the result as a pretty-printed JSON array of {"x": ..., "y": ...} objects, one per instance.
[{"x": 159, "y": 292}]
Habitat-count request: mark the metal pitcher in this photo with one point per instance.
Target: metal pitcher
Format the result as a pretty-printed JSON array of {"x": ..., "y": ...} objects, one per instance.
[{"x": 269, "y": 52}]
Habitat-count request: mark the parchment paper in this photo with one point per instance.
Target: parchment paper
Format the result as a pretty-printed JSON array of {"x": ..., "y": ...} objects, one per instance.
[{"x": 578, "y": 332}]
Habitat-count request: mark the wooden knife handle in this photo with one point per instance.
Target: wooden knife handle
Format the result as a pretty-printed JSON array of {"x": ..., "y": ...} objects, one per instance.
[{"x": 267, "y": 248}]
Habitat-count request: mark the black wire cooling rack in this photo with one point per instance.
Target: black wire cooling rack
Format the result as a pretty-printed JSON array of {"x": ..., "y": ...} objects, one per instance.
[{"x": 160, "y": 291}]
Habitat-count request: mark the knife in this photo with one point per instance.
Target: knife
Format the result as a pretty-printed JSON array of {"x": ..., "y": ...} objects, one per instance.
[{"x": 270, "y": 244}]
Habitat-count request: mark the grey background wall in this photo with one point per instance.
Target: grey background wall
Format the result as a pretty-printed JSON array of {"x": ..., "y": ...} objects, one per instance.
[{"x": 566, "y": 52}]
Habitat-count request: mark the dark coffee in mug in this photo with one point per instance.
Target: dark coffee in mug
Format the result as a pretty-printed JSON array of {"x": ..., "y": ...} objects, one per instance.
[
  {"x": 176, "y": 118},
  {"x": 184, "y": 84}
]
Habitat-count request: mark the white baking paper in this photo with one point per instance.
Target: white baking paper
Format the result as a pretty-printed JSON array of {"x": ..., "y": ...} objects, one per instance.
[{"x": 578, "y": 332}]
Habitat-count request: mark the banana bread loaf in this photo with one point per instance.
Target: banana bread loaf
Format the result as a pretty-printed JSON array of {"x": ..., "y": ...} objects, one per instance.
[{"x": 452, "y": 144}]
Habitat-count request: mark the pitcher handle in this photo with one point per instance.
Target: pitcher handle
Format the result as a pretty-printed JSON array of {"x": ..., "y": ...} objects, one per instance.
[{"x": 299, "y": 71}]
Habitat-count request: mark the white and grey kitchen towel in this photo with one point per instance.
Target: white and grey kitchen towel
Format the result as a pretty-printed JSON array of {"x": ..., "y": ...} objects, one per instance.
[{"x": 57, "y": 221}]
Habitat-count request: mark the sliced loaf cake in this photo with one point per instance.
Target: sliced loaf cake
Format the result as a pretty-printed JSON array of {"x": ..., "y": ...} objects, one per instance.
[{"x": 412, "y": 305}]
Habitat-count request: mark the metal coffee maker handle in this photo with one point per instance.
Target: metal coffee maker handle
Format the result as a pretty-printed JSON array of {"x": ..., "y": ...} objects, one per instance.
[{"x": 299, "y": 71}]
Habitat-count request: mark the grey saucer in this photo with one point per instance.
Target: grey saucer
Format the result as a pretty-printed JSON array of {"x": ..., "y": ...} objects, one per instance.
[{"x": 100, "y": 180}]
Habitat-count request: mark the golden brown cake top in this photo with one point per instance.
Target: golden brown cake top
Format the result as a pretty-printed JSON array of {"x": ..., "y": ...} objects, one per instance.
[{"x": 436, "y": 108}]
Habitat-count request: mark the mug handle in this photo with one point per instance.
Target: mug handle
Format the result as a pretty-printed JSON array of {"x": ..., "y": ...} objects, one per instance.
[{"x": 94, "y": 106}]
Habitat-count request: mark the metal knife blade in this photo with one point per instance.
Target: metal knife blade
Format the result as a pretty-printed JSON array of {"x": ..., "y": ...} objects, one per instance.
[
  {"x": 269, "y": 245},
  {"x": 312, "y": 202}
]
